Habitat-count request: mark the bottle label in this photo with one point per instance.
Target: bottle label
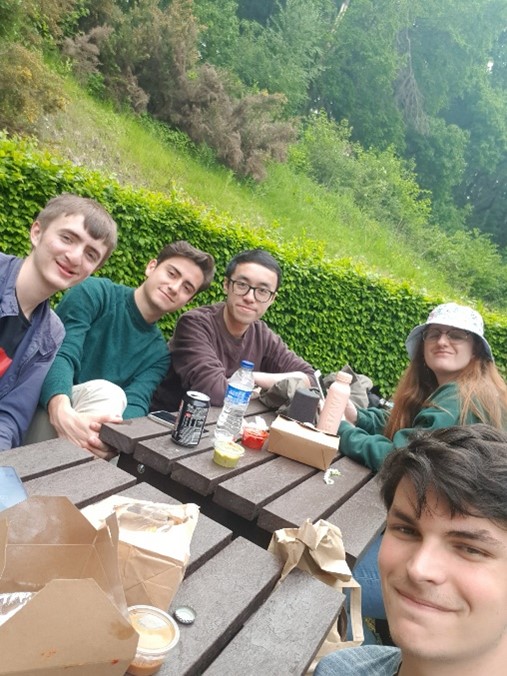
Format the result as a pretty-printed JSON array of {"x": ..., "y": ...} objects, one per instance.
[{"x": 237, "y": 396}]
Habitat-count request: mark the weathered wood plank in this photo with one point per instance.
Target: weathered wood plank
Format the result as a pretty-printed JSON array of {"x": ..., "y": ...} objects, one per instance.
[
  {"x": 284, "y": 635},
  {"x": 224, "y": 593},
  {"x": 83, "y": 484},
  {"x": 202, "y": 475},
  {"x": 246, "y": 493},
  {"x": 313, "y": 499},
  {"x": 360, "y": 520},
  {"x": 124, "y": 436},
  {"x": 209, "y": 536},
  {"x": 45, "y": 457},
  {"x": 161, "y": 453}
]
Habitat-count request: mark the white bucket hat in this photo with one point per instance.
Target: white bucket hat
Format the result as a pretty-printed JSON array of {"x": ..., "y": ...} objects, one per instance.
[{"x": 450, "y": 314}]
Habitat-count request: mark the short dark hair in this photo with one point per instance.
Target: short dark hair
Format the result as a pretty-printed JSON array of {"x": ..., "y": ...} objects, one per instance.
[
  {"x": 259, "y": 256},
  {"x": 466, "y": 466},
  {"x": 203, "y": 260},
  {"x": 97, "y": 221}
]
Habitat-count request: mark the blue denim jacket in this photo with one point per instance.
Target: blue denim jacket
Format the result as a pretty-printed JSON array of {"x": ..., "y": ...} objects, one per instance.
[{"x": 21, "y": 384}]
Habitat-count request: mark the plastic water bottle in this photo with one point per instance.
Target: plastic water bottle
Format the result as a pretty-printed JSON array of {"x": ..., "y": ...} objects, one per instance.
[
  {"x": 237, "y": 396},
  {"x": 334, "y": 405}
]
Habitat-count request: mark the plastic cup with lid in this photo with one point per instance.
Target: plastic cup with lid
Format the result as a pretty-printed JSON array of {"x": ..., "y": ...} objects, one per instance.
[{"x": 158, "y": 634}]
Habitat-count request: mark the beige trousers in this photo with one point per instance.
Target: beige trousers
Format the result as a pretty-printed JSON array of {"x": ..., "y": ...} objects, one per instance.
[{"x": 94, "y": 396}]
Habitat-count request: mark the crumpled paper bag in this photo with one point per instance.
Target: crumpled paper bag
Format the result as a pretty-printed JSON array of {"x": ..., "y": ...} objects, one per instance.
[
  {"x": 318, "y": 549},
  {"x": 154, "y": 545}
]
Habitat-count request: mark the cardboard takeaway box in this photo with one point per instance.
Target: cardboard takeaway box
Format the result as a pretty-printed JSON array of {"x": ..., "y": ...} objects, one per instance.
[
  {"x": 76, "y": 622},
  {"x": 301, "y": 442}
]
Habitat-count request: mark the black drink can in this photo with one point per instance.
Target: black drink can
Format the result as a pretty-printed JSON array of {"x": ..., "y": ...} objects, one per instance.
[{"x": 192, "y": 415}]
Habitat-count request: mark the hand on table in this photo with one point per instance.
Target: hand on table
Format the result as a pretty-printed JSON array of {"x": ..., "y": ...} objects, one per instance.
[
  {"x": 80, "y": 428},
  {"x": 266, "y": 380},
  {"x": 350, "y": 413}
]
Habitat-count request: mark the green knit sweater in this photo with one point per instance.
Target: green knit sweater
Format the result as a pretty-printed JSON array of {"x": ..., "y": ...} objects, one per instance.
[
  {"x": 365, "y": 442},
  {"x": 107, "y": 337}
]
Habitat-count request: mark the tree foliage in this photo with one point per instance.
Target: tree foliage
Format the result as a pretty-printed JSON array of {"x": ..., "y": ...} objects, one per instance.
[{"x": 416, "y": 90}]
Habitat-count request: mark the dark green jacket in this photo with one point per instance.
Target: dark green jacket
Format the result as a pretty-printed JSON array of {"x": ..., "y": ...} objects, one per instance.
[{"x": 365, "y": 442}]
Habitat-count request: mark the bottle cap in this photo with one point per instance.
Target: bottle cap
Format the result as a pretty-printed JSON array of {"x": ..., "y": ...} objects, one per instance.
[
  {"x": 344, "y": 377},
  {"x": 184, "y": 614},
  {"x": 247, "y": 364}
]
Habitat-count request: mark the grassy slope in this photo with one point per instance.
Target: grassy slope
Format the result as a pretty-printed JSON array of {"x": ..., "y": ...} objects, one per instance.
[{"x": 92, "y": 134}]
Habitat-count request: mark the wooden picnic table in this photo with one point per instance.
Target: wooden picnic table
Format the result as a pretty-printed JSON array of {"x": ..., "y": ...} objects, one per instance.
[
  {"x": 264, "y": 493},
  {"x": 244, "y": 624}
]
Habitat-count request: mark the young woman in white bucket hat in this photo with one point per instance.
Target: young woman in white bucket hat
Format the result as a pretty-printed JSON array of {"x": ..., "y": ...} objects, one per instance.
[{"x": 451, "y": 380}]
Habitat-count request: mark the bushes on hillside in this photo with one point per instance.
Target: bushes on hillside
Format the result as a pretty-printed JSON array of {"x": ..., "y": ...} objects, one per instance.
[
  {"x": 147, "y": 56},
  {"x": 385, "y": 188},
  {"x": 330, "y": 312},
  {"x": 28, "y": 89}
]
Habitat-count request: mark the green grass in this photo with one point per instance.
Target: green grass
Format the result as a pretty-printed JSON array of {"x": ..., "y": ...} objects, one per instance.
[{"x": 285, "y": 204}]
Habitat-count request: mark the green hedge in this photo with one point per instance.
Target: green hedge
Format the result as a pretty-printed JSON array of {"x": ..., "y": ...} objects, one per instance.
[{"x": 329, "y": 312}]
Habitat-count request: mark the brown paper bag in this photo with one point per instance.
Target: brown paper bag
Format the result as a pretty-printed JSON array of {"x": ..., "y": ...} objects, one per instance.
[
  {"x": 318, "y": 549},
  {"x": 154, "y": 546}
]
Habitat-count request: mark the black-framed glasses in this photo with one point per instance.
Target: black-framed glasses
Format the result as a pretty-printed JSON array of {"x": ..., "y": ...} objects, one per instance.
[
  {"x": 261, "y": 293},
  {"x": 453, "y": 335}
]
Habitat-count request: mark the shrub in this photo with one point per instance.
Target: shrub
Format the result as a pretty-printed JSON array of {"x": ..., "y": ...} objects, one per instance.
[
  {"x": 28, "y": 89},
  {"x": 330, "y": 312}
]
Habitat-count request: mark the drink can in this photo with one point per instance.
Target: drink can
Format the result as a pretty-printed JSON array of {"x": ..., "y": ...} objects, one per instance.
[{"x": 192, "y": 415}]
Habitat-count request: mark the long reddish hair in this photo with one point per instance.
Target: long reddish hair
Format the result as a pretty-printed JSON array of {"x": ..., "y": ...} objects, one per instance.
[{"x": 482, "y": 391}]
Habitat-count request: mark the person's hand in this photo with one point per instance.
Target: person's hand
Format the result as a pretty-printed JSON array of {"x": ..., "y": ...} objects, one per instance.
[
  {"x": 350, "y": 413},
  {"x": 80, "y": 428},
  {"x": 266, "y": 380}
]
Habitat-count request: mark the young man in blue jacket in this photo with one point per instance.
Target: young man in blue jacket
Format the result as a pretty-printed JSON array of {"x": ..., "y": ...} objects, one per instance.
[{"x": 71, "y": 238}]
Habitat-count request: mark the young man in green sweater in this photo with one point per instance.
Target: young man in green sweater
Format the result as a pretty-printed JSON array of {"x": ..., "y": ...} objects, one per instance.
[{"x": 114, "y": 356}]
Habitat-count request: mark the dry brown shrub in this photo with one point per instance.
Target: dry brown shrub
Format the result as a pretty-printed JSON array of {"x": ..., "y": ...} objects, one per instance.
[
  {"x": 84, "y": 51},
  {"x": 28, "y": 89}
]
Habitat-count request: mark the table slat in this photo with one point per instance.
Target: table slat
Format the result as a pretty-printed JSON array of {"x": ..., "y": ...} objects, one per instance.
[
  {"x": 285, "y": 634},
  {"x": 161, "y": 453},
  {"x": 202, "y": 474},
  {"x": 245, "y": 494},
  {"x": 45, "y": 457},
  {"x": 313, "y": 499},
  {"x": 83, "y": 484},
  {"x": 360, "y": 520},
  {"x": 224, "y": 593},
  {"x": 124, "y": 436}
]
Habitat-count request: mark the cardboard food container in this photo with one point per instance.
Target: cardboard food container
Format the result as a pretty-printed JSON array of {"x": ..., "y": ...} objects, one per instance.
[
  {"x": 300, "y": 442},
  {"x": 77, "y": 621}
]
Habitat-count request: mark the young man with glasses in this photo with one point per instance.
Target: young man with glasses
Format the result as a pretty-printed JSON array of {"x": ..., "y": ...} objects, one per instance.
[{"x": 209, "y": 342}]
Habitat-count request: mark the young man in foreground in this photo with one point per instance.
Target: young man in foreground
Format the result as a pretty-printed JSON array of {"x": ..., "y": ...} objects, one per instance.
[
  {"x": 114, "y": 354},
  {"x": 443, "y": 560},
  {"x": 71, "y": 238},
  {"x": 209, "y": 342}
]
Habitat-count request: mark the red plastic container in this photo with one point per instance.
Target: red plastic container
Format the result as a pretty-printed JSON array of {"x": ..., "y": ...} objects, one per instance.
[{"x": 254, "y": 438}]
